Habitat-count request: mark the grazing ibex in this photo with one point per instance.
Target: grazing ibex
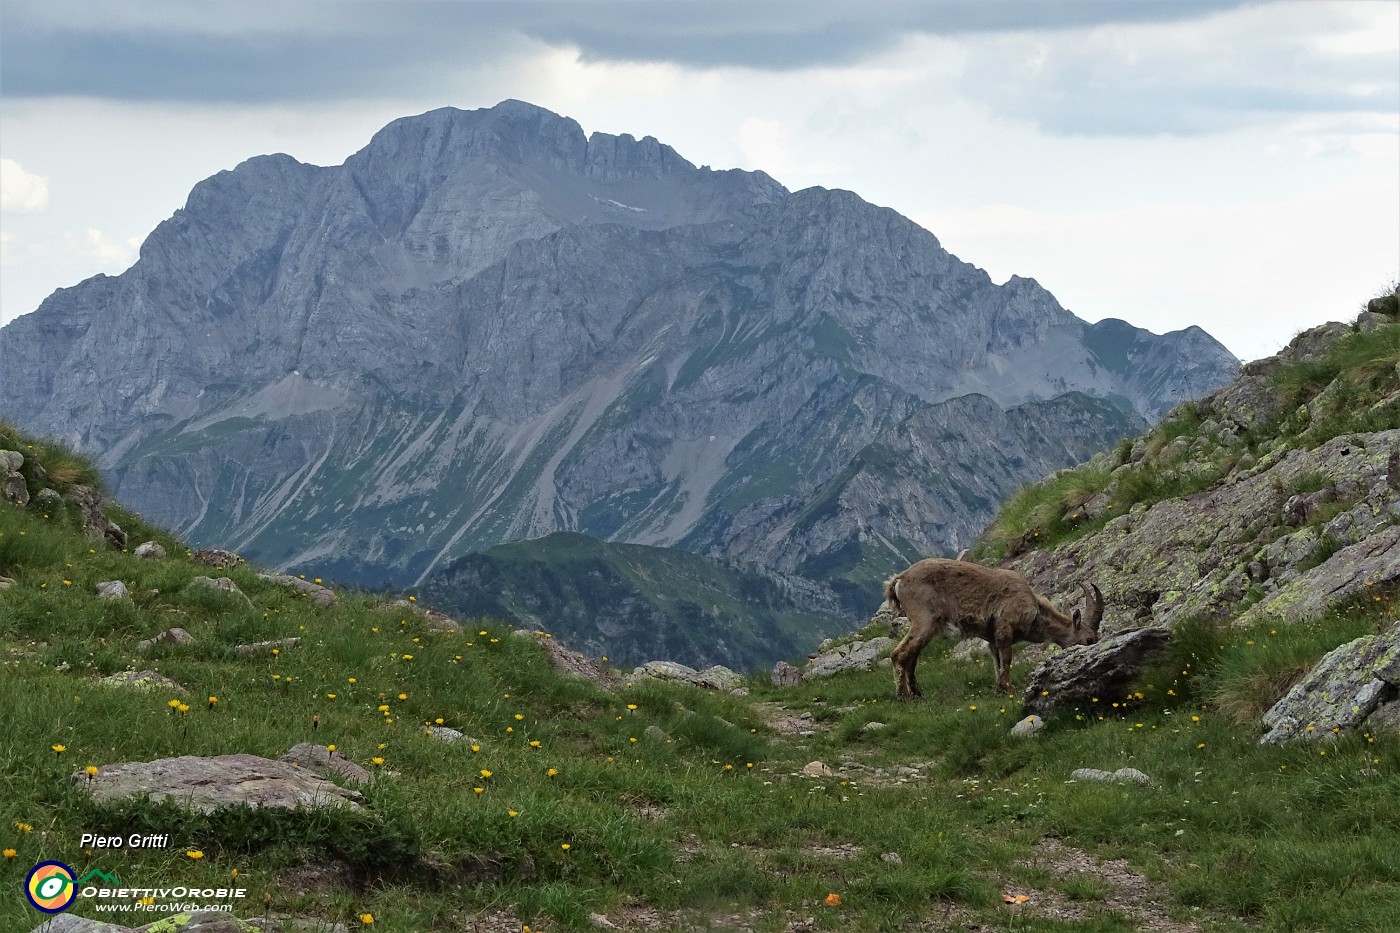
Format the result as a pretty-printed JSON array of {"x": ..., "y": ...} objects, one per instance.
[{"x": 967, "y": 600}]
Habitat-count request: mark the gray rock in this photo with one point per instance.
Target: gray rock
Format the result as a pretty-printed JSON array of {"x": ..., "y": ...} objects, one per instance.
[
  {"x": 206, "y": 784},
  {"x": 722, "y": 678},
  {"x": 11, "y": 461},
  {"x": 1031, "y": 725},
  {"x": 656, "y": 735},
  {"x": 112, "y": 589},
  {"x": 874, "y": 727},
  {"x": 13, "y": 489},
  {"x": 445, "y": 734},
  {"x": 1385, "y": 720},
  {"x": 315, "y": 593},
  {"x": 1341, "y": 691},
  {"x": 171, "y": 636},
  {"x": 856, "y": 656},
  {"x": 320, "y": 760},
  {"x": 265, "y": 647},
  {"x": 222, "y": 585},
  {"x": 217, "y": 558},
  {"x": 150, "y": 550},
  {"x": 891, "y": 858},
  {"x": 48, "y": 498},
  {"x": 149, "y": 681},
  {"x": 817, "y": 769},
  {"x": 785, "y": 675},
  {"x": 1368, "y": 321},
  {"x": 1121, "y": 776},
  {"x": 6, "y": 583},
  {"x": 1072, "y": 678},
  {"x": 87, "y": 501}
]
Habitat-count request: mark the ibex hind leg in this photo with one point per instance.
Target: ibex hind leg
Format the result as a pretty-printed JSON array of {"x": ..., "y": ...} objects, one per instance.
[{"x": 905, "y": 658}]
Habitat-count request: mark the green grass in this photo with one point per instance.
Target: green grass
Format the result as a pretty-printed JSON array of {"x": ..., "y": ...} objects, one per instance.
[{"x": 714, "y": 820}]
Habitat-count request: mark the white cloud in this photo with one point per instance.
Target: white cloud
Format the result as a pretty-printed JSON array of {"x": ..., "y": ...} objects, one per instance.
[
  {"x": 20, "y": 191},
  {"x": 94, "y": 244},
  {"x": 6, "y": 246}
]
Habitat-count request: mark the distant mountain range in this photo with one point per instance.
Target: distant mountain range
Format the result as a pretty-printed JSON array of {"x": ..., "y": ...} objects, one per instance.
[{"x": 486, "y": 326}]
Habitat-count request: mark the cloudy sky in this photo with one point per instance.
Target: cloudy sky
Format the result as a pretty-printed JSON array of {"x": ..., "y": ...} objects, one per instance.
[{"x": 1223, "y": 163}]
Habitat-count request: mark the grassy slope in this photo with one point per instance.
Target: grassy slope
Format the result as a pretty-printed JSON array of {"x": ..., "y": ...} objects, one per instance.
[
  {"x": 1237, "y": 836},
  {"x": 681, "y": 604}
]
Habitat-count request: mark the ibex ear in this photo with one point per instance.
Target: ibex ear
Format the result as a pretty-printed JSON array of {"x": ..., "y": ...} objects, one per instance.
[{"x": 1075, "y": 616}]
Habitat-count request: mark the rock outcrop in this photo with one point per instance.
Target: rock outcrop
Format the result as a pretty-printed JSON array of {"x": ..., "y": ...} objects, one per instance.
[
  {"x": 1346, "y": 687},
  {"x": 206, "y": 784}
]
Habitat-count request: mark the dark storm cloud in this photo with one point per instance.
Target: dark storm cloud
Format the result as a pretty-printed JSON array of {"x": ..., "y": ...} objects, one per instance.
[{"x": 319, "y": 49}]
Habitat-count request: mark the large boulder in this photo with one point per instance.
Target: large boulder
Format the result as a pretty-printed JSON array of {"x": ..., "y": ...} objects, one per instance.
[
  {"x": 1075, "y": 676},
  {"x": 207, "y": 784},
  {"x": 1341, "y": 692}
]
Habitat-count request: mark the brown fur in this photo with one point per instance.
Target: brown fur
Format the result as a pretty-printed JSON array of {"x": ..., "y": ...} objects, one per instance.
[{"x": 967, "y": 600}]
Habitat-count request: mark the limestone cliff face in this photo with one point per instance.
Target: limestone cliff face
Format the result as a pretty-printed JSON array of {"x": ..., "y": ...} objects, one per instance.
[{"x": 488, "y": 326}]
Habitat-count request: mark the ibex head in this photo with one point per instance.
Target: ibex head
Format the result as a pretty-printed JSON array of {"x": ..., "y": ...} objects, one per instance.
[{"x": 1085, "y": 626}]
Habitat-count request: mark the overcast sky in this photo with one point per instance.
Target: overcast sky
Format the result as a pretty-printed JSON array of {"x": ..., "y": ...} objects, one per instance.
[{"x": 1230, "y": 164}]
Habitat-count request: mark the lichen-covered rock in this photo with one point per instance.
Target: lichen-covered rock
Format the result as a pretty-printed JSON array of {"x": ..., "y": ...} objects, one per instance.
[
  {"x": 785, "y": 675},
  {"x": 207, "y": 784},
  {"x": 856, "y": 656},
  {"x": 1193, "y": 553},
  {"x": 321, "y": 760},
  {"x": 217, "y": 558},
  {"x": 1372, "y": 561},
  {"x": 449, "y": 735},
  {"x": 222, "y": 585},
  {"x": 149, "y": 681},
  {"x": 314, "y": 592},
  {"x": 713, "y": 678},
  {"x": 1121, "y": 776},
  {"x": 150, "y": 550},
  {"x": 13, "y": 488},
  {"x": 1075, "y": 676},
  {"x": 87, "y": 501},
  {"x": 11, "y": 461},
  {"x": 1342, "y": 690}
]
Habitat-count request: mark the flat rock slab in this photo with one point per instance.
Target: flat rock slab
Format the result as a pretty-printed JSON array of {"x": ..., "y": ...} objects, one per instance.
[
  {"x": 206, "y": 784},
  {"x": 71, "y": 923},
  {"x": 315, "y": 593},
  {"x": 265, "y": 647},
  {"x": 319, "y": 760},
  {"x": 149, "y": 681},
  {"x": 1349, "y": 684},
  {"x": 1121, "y": 776},
  {"x": 205, "y": 921}
]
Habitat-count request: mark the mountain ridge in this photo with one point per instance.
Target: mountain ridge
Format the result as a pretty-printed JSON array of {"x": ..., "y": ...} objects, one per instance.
[{"x": 487, "y": 326}]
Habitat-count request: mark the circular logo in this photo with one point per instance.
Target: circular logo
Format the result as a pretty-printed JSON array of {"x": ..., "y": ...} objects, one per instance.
[{"x": 50, "y": 887}]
